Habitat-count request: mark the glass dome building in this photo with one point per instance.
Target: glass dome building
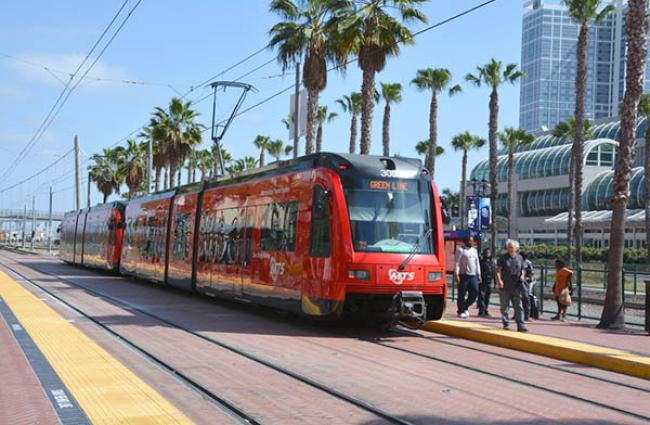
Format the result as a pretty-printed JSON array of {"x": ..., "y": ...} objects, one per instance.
[{"x": 542, "y": 186}]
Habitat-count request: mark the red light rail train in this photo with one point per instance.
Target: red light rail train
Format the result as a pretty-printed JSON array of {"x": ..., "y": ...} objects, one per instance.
[{"x": 322, "y": 235}]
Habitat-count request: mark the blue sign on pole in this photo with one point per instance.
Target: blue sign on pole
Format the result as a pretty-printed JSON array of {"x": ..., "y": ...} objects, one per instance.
[
  {"x": 478, "y": 213},
  {"x": 473, "y": 217},
  {"x": 484, "y": 214}
]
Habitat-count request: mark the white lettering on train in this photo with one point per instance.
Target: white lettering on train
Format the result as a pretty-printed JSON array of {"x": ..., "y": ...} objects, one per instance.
[{"x": 398, "y": 277}]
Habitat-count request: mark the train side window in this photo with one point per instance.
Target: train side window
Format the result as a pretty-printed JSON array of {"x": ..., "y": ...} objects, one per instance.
[
  {"x": 320, "y": 245},
  {"x": 278, "y": 231}
]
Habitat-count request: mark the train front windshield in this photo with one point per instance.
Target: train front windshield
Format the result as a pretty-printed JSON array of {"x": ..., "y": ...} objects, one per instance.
[{"x": 391, "y": 216}]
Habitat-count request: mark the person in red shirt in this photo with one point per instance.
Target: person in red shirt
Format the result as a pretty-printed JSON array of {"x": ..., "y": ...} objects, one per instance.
[{"x": 562, "y": 282}]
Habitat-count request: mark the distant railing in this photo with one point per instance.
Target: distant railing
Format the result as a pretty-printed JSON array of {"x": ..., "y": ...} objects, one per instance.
[
  {"x": 20, "y": 214},
  {"x": 590, "y": 285}
]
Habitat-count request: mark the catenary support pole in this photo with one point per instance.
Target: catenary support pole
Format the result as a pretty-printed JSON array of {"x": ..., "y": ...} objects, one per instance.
[
  {"x": 77, "y": 173},
  {"x": 31, "y": 240},
  {"x": 88, "y": 190},
  {"x": 24, "y": 226},
  {"x": 49, "y": 226},
  {"x": 149, "y": 165},
  {"x": 296, "y": 112}
]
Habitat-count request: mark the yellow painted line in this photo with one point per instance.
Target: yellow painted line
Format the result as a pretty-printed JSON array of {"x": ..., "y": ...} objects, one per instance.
[
  {"x": 576, "y": 352},
  {"x": 106, "y": 390}
]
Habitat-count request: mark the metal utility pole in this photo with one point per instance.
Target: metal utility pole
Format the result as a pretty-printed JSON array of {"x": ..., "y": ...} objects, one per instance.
[
  {"x": 77, "y": 172},
  {"x": 149, "y": 165},
  {"x": 296, "y": 111},
  {"x": 89, "y": 189},
  {"x": 49, "y": 226},
  {"x": 25, "y": 226},
  {"x": 31, "y": 242}
]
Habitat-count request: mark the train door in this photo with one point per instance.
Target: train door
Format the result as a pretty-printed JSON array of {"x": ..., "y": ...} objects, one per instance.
[
  {"x": 244, "y": 247},
  {"x": 226, "y": 273}
]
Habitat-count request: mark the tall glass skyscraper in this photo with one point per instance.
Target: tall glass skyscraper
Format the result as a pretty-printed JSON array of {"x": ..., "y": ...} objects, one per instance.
[{"x": 548, "y": 58}]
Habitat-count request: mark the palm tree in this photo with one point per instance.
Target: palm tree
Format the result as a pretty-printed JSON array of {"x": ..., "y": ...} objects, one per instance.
[
  {"x": 636, "y": 29},
  {"x": 276, "y": 149},
  {"x": 323, "y": 116},
  {"x": 512, "y": 139},
  {"x": 287, "y": 150},
  {"x": 582, "y": 12},
  {"x": 262, "y": 143},
  {"x": 437, "y": 81},
  {"x": 391, "y": 93},
  {"x": 422, "y": 148},
  {"x": 134, "y": 166},
  {"x": 373, "y": 30},
  {"x": 493, "y": 75},
  {"x": 106, "y": 171},
  {"x": 465, "y": 142},
  {"x": 308, "y": 34},
  {"x": 564, "y": 130},
  {"x": 178, "y": 131},
  {"x": 644, "y": 111},
  {"x": 226, "y": 157},
  {"x": 352, "y": 105},
  {"x": 242, "y": 164},
  {"x": 205, "y": 162}
]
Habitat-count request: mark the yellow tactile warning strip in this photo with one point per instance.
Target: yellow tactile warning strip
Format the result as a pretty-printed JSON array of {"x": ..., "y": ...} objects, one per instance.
[
  {"x": 107, "y": 391},
  {"x": 557, "y": 348}
]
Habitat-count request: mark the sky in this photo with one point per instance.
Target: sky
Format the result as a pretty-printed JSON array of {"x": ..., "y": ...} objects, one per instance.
[{"x": 168, "y": 47}]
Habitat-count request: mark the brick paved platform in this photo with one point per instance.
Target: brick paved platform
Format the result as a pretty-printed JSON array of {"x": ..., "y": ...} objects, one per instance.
[{"x": 107, "y": 391}]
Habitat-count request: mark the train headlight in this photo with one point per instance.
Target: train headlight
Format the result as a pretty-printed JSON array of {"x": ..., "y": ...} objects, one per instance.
[
  {"x": 435, "y": 276},
  {"x": 359, "y": 274}
]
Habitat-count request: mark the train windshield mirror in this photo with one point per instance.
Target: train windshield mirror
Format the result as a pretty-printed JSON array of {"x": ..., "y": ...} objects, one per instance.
[{"x": 389, "y": 221}]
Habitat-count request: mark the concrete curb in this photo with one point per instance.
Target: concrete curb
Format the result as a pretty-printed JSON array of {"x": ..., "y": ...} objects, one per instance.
[{"x": 557, "y": 348}]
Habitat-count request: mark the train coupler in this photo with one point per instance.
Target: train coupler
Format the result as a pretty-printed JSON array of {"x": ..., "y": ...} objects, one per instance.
[{"x": 410, "y": 308}]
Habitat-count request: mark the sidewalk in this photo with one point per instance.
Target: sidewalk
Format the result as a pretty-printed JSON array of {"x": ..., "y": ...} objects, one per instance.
[
  {"x": 634, "y": 340},
  {"x": 626, "y": 352}
]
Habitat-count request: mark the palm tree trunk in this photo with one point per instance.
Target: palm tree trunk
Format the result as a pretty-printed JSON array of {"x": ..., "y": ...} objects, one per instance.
[
  {"x": 166, "y": 178},
  {"x": 570, "y": 210},
  {"x": 172, "y": 176},
  {"x": 179, "y": 175},
  {"x": 511, "y": 193},
  {"x": 463, "y": 191},
  {"x": 189, "y": 173},
  {"x": 433, "y": 133},
  {"x": 494, "y": 190},
  {"x": 581, "y": 83},
  {"x": 367, "y": 109},
  {"x": 312, "y": 111},
  {"x": 613, "y": 315},
  {"x": 261, "y": 164},
  {"x": 353, "y": 133},
  {"x": 385, "y": 131},
  {"x": 105, "y": 198},
  {"x": 319, "y": 138},
  {"x": 157, "y": 183},
  {"x": 646, "y": 166}
]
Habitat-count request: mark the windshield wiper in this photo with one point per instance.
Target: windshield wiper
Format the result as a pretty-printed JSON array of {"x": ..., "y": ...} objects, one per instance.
[{"x": 416, "y": 248}]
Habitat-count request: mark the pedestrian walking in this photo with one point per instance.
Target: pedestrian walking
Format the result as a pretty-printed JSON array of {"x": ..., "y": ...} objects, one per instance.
[
  {"x": 526, "y": 286},
  {"x": 467, "y": 276},
  {"x": 510, "y": 275},
  {"x": 562, "y": 289},
  {"x": 488, "y": 269}
]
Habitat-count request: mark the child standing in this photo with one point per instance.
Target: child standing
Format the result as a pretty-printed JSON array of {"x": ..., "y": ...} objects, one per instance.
[{"x": 562, "y": 283}]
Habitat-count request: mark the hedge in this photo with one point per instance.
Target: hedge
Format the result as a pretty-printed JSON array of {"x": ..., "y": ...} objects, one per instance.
[{"x": 552, "y": 252}]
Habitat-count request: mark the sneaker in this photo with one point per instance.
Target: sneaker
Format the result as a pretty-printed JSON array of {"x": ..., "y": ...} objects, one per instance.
[
  {"x": 466, "y": 313},
  {"x": 522, "y": 328},
  {"x": 562, "y": 319},
  {"x": 506, "y": 326},
  {"x": 557, "y": 317}
]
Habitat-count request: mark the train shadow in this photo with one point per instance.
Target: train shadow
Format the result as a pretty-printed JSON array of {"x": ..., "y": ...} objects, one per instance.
[{"x": 440, "y": 420}]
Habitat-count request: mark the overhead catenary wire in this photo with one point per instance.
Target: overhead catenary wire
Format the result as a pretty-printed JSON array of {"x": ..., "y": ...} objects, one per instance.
[
  {"x": 65, "y": 93},
  {"x": 292, "y": 86}
]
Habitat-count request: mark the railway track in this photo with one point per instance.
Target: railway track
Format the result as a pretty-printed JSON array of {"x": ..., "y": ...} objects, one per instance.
[
  {"x": 511, "y": 379},
  {"x": 234, "y": 411}
]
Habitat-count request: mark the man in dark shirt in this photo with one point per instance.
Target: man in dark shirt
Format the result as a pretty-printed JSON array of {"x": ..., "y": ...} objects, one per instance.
[
  {"x": 487, "y": 280},
  {"x": 510, "y": 275}
]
